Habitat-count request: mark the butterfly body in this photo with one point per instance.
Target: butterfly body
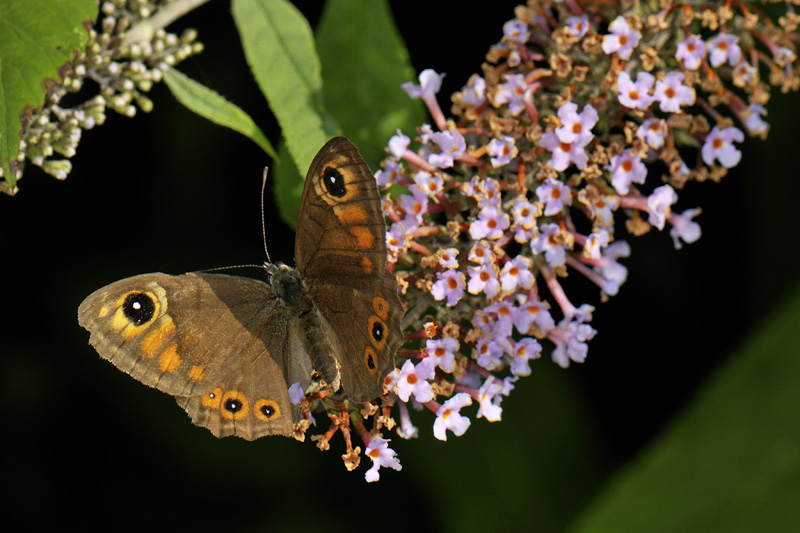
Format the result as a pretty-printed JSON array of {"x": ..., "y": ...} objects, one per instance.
[{"x": 229, "y": 347}]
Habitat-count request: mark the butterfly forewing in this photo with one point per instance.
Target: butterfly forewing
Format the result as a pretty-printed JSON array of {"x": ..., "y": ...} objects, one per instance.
[{"x": 194, "y": 335}]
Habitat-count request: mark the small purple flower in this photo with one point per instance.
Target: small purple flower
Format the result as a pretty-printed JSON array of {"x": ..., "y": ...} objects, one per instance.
[
  {"x": 488, "y": 354},
  {"x": 447, "y": 257},
  {"x": 555, "y": 196},
  {"x": 652, "y": 132},
  {"x": 553, "y": 248},
  {"x": 296, "y": 393},
  {"x": 430, "y": 183},
  {"x": 442, "y": 352},
  {"x": 451, "y": 144},
  {"x": 450, "y": 286},
  {"x": 570, "y": 339},
  {"x": 474, "y": 93},
  {"x": 429, "y": 84},
  {"x": 753, "y": 122},
  {"x": 622, "y": 39},
  {"x": 530, "y": 313},
  {"x": 602, "y": 207},
  {"x": 516, "y": 31},
  {"x": 524, "y": 212},
  {"x": 626, "y": 168},
  {"x": 483, "y": 278},
  {"x": 482, "y": 253},
  {"x": 743, "y": 74},
  {"x": 517, "y": 274},
  {"x": 595, "y": 243},
  {"x": 490, "y": 395},
  {"x": 413, "y": 380},
  {"x": 719, "y": 146},
  {"x": 609, "y": 267},
  {"x": 378, "y": 450},
  {"x": 576, "y": 127},
  {"x": 671, "y": 93},
  {"x": 491, "y": 224},
  {"x": 391, "y": 172},
  {"x": 659, "y": 204},
  {"x": 684, "y": 228},
  {"x": 501, "y": 151},
  {"x": 724, "y": 48},
  {"x": 448, "y": 416},
  {"x": 414, "y": 205},
  {"x": 512, "y": 92},
  {"x": 577, "y": 26},
  {"x": 691, "y": 52},
  {"x": 398, "y": 144},
  {"x": 525, "y": 349},
  {"x": 504, "y": 322},
  {"x": 563, "y": 153},
  {"x": 635, "y": 95},
  {"x": 395, "y": 240}
]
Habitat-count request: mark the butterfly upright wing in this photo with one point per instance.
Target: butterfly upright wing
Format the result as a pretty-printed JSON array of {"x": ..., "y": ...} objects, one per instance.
[
  {"x": 217, "y": 343},
  {"x": 341, "y": 253}
]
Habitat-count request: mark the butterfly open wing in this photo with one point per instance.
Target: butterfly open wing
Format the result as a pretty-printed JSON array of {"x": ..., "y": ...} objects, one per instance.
[
  {"x": 217, "y": 343},
  {"x": 341, "y": 253}
]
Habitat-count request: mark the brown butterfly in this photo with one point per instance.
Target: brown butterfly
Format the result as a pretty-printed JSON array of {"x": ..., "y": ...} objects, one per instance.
[{"x": 229, "y": 347}]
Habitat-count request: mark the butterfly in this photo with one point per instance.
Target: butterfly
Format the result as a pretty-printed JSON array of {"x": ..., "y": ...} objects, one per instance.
[{"x": 228, "y": 347}]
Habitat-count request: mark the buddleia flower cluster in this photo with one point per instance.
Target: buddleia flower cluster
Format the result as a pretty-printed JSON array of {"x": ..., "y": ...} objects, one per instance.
[
  {"x": 584, "y": 125},
  {"x": 124, "y": 57}
]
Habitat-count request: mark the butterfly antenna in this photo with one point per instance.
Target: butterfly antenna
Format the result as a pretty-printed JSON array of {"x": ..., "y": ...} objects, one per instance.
[{"x": 263, "y": 226}]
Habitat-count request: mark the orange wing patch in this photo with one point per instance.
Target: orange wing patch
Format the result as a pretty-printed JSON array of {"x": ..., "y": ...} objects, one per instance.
[
  {"x": 350, "y": 214},
  {"x": 366, "y": 265},
  {"x": 153, "y": 341},
  {"x": 169, "y": 360},
  {"x": 364, "y": 237}
]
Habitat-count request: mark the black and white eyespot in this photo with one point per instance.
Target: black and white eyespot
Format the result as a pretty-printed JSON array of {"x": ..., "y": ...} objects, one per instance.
[
  {"x": 139, "y": 307},
  {"x": 334, "y": 182}
]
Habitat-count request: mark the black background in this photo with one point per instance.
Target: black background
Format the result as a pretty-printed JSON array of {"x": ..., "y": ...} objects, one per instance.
[{"x": 168, "y": 191}]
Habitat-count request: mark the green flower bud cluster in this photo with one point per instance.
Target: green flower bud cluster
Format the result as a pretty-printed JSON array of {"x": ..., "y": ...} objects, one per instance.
[{"x": 125, "y": 55}]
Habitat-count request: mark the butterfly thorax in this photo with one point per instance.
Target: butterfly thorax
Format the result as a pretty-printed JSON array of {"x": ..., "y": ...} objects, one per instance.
[{"x": 287, "y": 285}]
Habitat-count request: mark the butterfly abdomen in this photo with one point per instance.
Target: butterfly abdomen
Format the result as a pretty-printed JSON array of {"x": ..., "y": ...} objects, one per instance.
[{"x": 319, "y": 346}]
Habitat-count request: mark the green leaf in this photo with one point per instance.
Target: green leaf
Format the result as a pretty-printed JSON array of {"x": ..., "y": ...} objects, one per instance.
[
  {"x": 37, "y": 37},
  {"x": 279, "y": 48},
  {"x": 364, "y": 62},
  {"x": 209, "y": 104},
  {"x": 732, "y": 462}
]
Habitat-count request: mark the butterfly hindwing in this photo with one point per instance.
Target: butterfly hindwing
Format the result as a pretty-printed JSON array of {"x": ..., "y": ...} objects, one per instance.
[{"x": 341, "y": 254}]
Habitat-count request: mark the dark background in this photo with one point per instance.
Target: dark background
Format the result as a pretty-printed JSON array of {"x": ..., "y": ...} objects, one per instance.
[{"x": 167, "y": 191}]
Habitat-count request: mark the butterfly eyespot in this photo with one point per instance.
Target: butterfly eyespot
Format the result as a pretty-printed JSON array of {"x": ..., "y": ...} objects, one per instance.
[
  {"x": 381, "y": 307},
  {"x": 370, "y": 360},
  {"x": 234, "y": 405},
  {"x": 267, "y": 410},
  {"x": 212, "y": 399},
  {"x": 139, "y": 307},
  {"x": 334, "y": 182},
  {"x": 377, "y": 332}
]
